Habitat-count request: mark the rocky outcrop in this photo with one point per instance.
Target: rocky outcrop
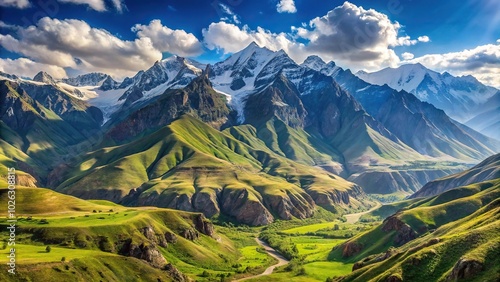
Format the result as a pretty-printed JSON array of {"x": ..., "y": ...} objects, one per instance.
[
  {"x": 351, "y": 248},
  {"x": 332, "y": 199},
  {"x": 296, "y": 205},
  {"x": 190, "y": 234},
  {"x": 150, "y": 234},
  {"x": 206, "y": 202},
  {"x": 197, "y": 99},
  {"x": 203, "y": 225},
  {"x": 170, "y": 237},
  {"x": 394, "y": 278},
  {"x": 404, "y": 233},
  {"x": 143, "y": 251},
  {"x": 236, "y": 203},
  {"x": 465, "y": 269},
  {"x": 175, "y": 274}
]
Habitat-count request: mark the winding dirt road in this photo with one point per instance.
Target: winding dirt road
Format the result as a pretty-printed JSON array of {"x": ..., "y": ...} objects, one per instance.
[
  {"x": 351, "y": 218},
  {"x": 272, "y": 252},
  {"x": 354, "y": 217}
]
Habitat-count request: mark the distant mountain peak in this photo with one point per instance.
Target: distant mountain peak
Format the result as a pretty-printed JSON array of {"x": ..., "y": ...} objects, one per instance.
[
  {"x": 44, "y": 77},
  {"x": 457, "y": 96},
  {"x": 314, "y": 62}
]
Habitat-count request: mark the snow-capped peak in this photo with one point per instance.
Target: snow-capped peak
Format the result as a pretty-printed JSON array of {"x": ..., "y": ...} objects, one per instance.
[
  {"x": 89, "y": 79},
  {"x": 406, "y": 77},
  {"x": 314, "y": 62},
  {"x": 457, "y": 96},
  {"x": 44, "y": 77}
]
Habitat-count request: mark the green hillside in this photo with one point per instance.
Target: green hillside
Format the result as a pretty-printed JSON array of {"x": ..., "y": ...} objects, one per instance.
[
  {"x": 190, "y": 166},
  {"x": 100, "y": 240},
  {"x": 450, "y": 236}
]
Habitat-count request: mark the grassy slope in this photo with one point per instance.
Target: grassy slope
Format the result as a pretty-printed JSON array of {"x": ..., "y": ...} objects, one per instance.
[
  {"x": 486, "y": 170},
  {"x": 73, "y": 224},
  {"x": 466, "y": 223},
  {"x": 42, "y": 141},
  {"x": 187, "y": 157},
  {"x": 428, "y": 214}
]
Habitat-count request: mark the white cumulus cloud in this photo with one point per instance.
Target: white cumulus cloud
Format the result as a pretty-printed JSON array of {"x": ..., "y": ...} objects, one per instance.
[
  {"x": 230, "y": 38},
  {"x": 166, "y": 39},
  {"x": 286, "y": 6},
  {"x": 424, "y": 38},
  {"x": 98, "y": 5},
  {"x": 75, "y": 44},
  {"x": 20, "y": 4},
  {"x": 482, "y": 61},
  {"x": 28, "y": 68},
  {"x": 407, "y": 56}
]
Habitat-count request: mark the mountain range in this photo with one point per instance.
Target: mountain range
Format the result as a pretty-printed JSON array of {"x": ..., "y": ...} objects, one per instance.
[
  {"x": 462, "y": 98},
  {"x": 256, "y": 137}
]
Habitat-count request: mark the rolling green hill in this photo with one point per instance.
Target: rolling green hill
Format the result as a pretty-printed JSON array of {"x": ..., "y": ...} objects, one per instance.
[
  {"x": 100, "y": 240},
  {"x": 188, "y": 165},
  {"x": 44, "y": 126},
  {"x": 486, "y": 170},
  {"x": 452, "y": 236}
]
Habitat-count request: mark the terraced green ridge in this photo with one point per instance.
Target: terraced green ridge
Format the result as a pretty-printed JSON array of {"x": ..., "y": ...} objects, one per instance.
[
  {"x": 190, "y": 166},
  {"x": 99, "y": 240},
  {"x": 451, "y": 236}
]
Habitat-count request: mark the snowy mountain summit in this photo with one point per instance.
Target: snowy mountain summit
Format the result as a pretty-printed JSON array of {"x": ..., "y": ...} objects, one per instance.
[{"x": 457, "y": 96}]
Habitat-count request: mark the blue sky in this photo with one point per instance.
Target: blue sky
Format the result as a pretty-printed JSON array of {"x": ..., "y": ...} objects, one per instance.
[{"x": 76, "y": 36}]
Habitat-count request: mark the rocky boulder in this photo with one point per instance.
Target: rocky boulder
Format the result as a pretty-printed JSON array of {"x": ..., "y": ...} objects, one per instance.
[
  {"x": 175, "y": 274},
  {"x": 465, "y": 269},
  {"x": 170, "y": 237},
  {"x": 203, "y": 225},
  {"x": 404, "y": 233},
  {"x": 394, "y": 278},
  {"x": 351, "y": 248},
  {"x": 145, "y": 252},
  {"x": 190, "y": 234}
]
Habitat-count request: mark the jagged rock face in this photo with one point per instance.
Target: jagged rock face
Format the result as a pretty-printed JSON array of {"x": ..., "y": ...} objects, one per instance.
[
  {"x": 198, "y": 99},
  {"x": 44, "y": 77},
  {"x": 350, "y": 249},
  {"x": 190, "y": 234},
  {"x": 108, "y": 84},
  {"x": 465, "y": 269},
  {"x": 332, "y": 199},
  {"x": 175, "y": 274},
  {"x": 203, "y": 225},
  {"x": 170, "y": 237},
  {"x": 145, "y": 252},
  {"x": 281, "y": 99},
  {"x": 236, "y": 203},
  {"x": 150, "y": 234},
  {"x": 174, "y": 72},
  {"x": 291, "y": 205},
  {"x": 76, "y": 112},
  {"x": 206, "y": 202},
  {"x": 404, "y": 233},
  {"x": 89, "y": 79},
  {"x": 394, "y": 278}
]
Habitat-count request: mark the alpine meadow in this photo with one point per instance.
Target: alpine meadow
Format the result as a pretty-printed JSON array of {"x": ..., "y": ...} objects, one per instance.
[{"x": 259, "y": 141}]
